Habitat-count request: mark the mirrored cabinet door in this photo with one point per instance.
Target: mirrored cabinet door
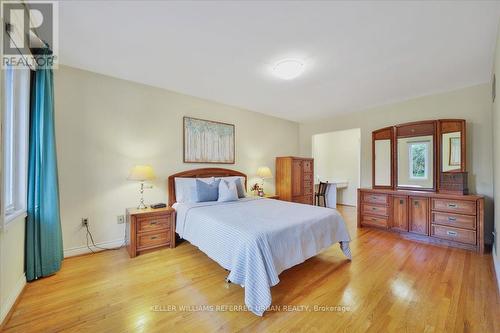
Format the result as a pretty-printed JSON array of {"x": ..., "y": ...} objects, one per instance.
[{"x": 383, "y": 149}]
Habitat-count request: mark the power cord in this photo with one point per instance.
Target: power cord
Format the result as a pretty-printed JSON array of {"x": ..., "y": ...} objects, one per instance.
[{"x": 99, "y": 247}]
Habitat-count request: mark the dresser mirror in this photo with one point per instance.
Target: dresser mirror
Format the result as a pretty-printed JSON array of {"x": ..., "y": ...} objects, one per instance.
[
  {"x": 452, "y": 137},
  {"x": 416, "y": 156},
  {"x": 383, "y": 149},
  {"x": 416, "y": 162},
  {"x": 450, "y": 157}
]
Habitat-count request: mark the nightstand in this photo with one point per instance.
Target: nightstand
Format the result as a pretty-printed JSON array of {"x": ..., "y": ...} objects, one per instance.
[
  {"x": 269, "y": 196},
  {"x": 149, "y": 229}
]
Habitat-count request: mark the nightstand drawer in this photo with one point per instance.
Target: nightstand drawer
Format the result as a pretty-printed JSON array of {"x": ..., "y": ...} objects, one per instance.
[
  {"x": 153, "y": 223},
  {"x": 153, "y": 239}
]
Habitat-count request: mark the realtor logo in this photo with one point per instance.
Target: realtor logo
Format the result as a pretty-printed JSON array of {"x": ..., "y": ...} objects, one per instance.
[{"x": 30, "y": 34}]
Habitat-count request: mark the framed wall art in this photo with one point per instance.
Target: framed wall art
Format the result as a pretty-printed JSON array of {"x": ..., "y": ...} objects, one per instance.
[{"x": 207, "y": 141}]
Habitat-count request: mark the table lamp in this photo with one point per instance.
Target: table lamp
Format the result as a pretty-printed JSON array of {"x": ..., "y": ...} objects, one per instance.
[
  {"x": 141, "y": 173},
  {"x": 263, "y": 173}
]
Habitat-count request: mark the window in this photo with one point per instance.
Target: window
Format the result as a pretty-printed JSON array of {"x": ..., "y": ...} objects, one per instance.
[
  {"x": 15, "y": 139},
  {"x": 419, "y": 160}
]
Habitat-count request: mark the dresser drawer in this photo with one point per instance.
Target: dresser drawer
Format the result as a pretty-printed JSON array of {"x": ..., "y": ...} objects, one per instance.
[
  {"x": 308, "y": 189},
  {"x": 375, "y": 198},
  {"x": 454, "y": 206},
  {"x": 307, "y": 166},
  {"x": 305, "y": 199},
  {"x": 153, "y": 239},
  {"x": 153, "y": 223},
  {"x": 377, "y": 221},
  {"x": 375, "y": 210},
  {"x": 308, "y": 183},
  {"x": 454, "y": 234},
  {"x": 454, "y": 220}
]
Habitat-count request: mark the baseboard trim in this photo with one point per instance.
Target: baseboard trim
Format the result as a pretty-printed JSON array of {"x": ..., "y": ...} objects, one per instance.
[
  {"x": 348, "y": 205},
  {"x": 8, "y": 307},
  {"x": 80, "y": 250},
  {"x": 496, "y": 265}
]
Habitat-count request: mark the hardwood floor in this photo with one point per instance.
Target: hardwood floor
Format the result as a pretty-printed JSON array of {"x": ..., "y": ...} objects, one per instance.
[{"x": 392, "y": 285}]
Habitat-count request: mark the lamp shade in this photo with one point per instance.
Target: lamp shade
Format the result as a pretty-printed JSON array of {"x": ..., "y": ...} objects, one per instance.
[
  {"x": 264, "y": 172},
  {"x": 141, "y": 173}
]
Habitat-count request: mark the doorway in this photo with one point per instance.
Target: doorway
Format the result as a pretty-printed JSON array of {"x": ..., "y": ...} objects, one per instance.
[{"x": 337, "y": 159}]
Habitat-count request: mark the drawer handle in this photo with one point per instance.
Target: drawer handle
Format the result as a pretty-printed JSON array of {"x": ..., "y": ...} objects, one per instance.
[
  {"x": 154, "y": 237},
  {"x": 153, "y": 222},
  {"x": 374, "y": 220},
  {"x": 452, "y": 205},
  {"x": 452, "y": 219},
  {"x": 374, "y": 197},
  {"x": 401, "y": 201},
  {"x": 374, "y": 208},
  {"x": 451, "y": 233}
]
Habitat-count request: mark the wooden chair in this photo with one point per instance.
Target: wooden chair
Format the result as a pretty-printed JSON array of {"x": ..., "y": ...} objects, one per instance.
[{"x": 320, "y": 194}]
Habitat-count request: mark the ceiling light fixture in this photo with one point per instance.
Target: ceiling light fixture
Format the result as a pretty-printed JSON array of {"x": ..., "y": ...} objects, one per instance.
[{"x": 288, "y": 69}]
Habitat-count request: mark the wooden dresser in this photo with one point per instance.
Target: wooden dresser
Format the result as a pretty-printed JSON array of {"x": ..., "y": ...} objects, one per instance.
[
  {"x": 452, "y": 220},
  {"x": 149, "y": 229},
  {"x": 295, "y": 179}
]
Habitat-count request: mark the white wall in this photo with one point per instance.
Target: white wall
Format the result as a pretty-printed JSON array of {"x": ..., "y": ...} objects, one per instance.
[
  {"x": 104, "y": 126},
  {"x": 472, "y": 104},
  {"x": 12, "y": 277},
  {"x": 496, "y": 158},
  {"x": 336, "y": 158}
]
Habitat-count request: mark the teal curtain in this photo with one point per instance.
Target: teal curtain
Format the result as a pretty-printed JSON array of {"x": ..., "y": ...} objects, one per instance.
[{"x": 44, "y": 251}]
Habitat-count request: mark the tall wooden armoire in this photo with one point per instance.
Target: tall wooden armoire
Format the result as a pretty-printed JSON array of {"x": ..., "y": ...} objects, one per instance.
[{"x": 295, "y": 179}]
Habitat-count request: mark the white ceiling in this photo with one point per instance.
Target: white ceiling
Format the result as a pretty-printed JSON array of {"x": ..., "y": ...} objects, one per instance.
[{"x": 358, "y": 54}]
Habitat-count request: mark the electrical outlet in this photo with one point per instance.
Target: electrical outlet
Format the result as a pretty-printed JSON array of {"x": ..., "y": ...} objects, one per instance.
[
  {"x": 120, "y": 219},
  {"x": 85, "y": 222}
]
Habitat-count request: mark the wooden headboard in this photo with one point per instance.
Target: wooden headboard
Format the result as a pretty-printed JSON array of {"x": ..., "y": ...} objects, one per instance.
[{"x": 199, "y": 173}]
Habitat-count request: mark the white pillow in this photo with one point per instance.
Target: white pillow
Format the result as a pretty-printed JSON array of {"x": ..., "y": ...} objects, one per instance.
[
  {"x": 185, "y": 188},
  {"x": 227, "y": 191}
]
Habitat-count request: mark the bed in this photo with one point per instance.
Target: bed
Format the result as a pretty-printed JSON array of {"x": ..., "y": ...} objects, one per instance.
[{"x": 256, "y": 239}]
